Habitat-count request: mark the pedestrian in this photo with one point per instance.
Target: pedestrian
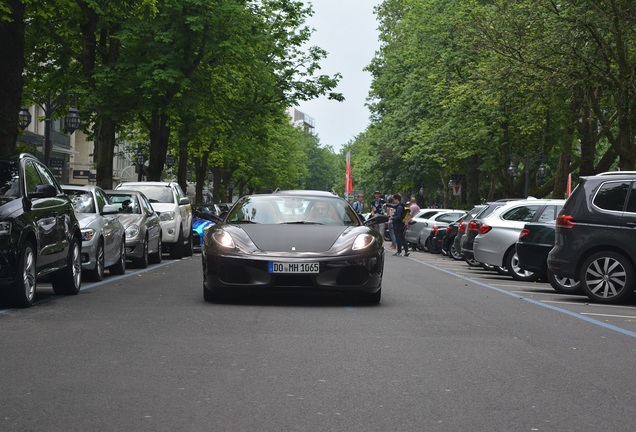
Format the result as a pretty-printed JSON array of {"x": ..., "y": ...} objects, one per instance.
[
  {"x": 378, "y": 207},
  {"x": 399, "y": 226},
  {"x": 358, "y": 205},
  {"x": 390, "y": 211},
  {"x": 414, "y": 209}
]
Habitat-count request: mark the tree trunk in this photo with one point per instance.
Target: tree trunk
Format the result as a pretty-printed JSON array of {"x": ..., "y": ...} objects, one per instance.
[
  {"x": 11, "y": 69},
  {"x": 104, "y": 151},
  {"x": 159, "y": 135}
]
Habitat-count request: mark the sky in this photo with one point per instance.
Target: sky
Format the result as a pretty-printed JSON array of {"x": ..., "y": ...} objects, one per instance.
[{"x": 347, "y": 30}]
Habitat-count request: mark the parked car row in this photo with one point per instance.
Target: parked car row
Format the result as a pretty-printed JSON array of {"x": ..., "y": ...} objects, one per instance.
[{"x": 70, "y": 232}]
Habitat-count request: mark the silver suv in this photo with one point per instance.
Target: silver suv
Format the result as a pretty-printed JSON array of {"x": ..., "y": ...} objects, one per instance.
[{"x": 175, "y": 214}]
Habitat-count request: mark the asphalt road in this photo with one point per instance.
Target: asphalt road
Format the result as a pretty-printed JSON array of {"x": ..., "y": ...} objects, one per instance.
[{"x": 450, "y": 348}]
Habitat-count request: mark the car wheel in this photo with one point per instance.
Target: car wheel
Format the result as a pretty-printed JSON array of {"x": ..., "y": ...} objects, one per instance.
[
  {"x": 97, "y": 274},
  {"x": 176, "y": 249},
  {"x": 607, "y": 277},
  {"x": 502, "y": 270},
  {"x": 455, "y": 253},
  {"x": 155, "y": 258},
  {"x": 488, "y": 267},
  {"x": 69, "y": 279},
  {"x": 564, "y": 285},
  {"x": 188, "y": 251},
  {"x": 120, "y": 267},
  {"x": 432, "y": 246},
  {"x": 143, "y": 261},
  {"x": 517, "y": 273},
  {"x": 471, "y": 261},
  {"x": 26, "y": 284},
  {"x": 371, "y": 298}
]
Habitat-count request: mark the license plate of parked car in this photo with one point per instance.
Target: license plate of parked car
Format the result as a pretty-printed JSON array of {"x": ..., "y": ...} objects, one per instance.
[{"x": 278, "y": 267}]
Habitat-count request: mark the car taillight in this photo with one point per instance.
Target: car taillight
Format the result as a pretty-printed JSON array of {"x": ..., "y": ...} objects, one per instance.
[
  {"x": 434, "y": 229},
  {"x": 448, "y": 229},
  {"x": 524, "y": 233},
  {"x": 483, "y": 229},
  {"x": 565, "y": 221},
  {"x": 462, "y": 227},
  {"x": 473, "y": 226}
]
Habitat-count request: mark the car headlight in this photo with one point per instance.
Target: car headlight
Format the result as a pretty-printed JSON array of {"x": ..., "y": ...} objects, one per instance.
[
  {"x": 88, "y": 234},
  {"x": 223, "y": 238},
  {"x": 132, "y": 231},
  {"x": 363, "y": 241},
  {"x": 5, "y": 228},
  {"x": 166, "y": 216}
]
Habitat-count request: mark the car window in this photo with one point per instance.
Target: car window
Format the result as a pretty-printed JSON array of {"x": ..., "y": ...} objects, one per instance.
[
  {"x": 549, "y": 213},
  {"x": 612, "y": 195},
  {"x": 449, "y": 217},
  {"x": 101, "y": 199},
  {"x": 83, "y": 201},
  {"x": 9, "y": 180},
  {"x": 631, "y": 203},
  {"x": 427, "y": 214},
  {"x": 31, "y": 176},
  {"x": 46, "y": 177},
  {"x": 155, "y": 194},
  {"x": 522, "y": 213},
  {"x": 127, "y": 203}
]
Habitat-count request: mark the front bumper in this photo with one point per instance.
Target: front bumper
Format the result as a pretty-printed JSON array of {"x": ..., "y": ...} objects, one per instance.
[
  {"x": 89, "y": 253},
  {"x": 134, "y": 248},
  {"x": 345, "y": 274}
]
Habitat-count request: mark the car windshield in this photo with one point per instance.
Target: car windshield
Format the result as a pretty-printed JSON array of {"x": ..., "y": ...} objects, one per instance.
[
  {"x": 83, "y": 201},
  {"x": 155, "y": 193},
  {"x": 127, "y": 203},
  {"x": 282, "y": 209},
  {"x": 9, "y": 180}
]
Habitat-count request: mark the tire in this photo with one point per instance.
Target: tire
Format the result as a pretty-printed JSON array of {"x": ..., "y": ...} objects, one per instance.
[
  {"x": 488, "y": 267},
  {"x": 472, "y": 261},
  {"x": 454, "y": 253},
  {"x": 177, "y": 249},
  {"x": 26, "y": 283},
  {"x": 143, "y": 261},
  {"x": 432, "y": 247},
  {"x": 97, "y": 274},
  {"x": 502, "y": 271},
  {"x": 188, "y": 249},
  {"x": 607, "y": 277},
  {"x": 517, "y": 273},
  {"x": 371, "y": 298},
  {"x": 155, "y": 258},
  {"x": 120, "y": 267},
  {"x": 68, "y": 280},
  {"x": 564, "y": 285}
]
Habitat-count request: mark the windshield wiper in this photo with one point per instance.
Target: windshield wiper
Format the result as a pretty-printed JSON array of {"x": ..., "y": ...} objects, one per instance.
[{"x": 302, "y": 223}]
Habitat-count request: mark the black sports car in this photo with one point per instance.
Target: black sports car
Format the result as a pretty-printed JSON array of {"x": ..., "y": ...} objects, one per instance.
[{"x": 293, "y": 240}]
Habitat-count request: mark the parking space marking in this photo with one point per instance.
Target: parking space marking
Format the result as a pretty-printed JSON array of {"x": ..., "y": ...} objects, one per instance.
[
  {"x": 609, "y": 315},
  {"x": 529, "y": 300}
]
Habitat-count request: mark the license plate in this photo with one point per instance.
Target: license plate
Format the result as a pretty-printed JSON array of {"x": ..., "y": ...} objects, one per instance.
[{"x": 277, "y": 267}]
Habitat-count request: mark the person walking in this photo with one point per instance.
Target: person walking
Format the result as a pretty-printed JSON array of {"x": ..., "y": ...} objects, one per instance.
[
  {"x": 414, "y": 209},
  {"x": 398, "y": 225},
  {"x": 358, "y": 205},
  {"x": 378, "y": 206},
  {"x": 390, "y": 211}
]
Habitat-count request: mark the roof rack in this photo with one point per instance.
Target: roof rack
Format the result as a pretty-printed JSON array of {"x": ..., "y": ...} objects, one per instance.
[{"x": 607, "y": 173}]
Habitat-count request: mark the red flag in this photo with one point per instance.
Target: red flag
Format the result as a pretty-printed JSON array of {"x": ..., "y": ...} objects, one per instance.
[
  {"x": 348, "y": 179},
  {"x": 568, "y": 189}
]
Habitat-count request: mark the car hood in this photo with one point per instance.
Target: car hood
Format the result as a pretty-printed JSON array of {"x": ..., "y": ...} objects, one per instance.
[
  {"x": 298, "y": 238},
  {"x": 163, "y": 207},
  {"x": 86, "y": 219},
  {"x": 127, "y": 219},
  {"x": 8, "y": 207}
]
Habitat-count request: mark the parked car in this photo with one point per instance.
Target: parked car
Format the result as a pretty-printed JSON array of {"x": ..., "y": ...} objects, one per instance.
[
  {"x": 142, "y": 226},
  {"x": 440, "y": 220},
  {"x": 498, "y": 233},
  {"x": 596, "y": 237},
  {"x": 39, "y": 232},
  {"x": 293, "y": 240},
  {"x": 536, "y": 239},
  {"x": 452, "y": 241},
  {"x": 175, "y": 214},
  {"x": 472, "y": 229},
  {"x": 203, "y": 217},
  {"x": 103, "y": 235},
  {"x": 415, "y": 225}
]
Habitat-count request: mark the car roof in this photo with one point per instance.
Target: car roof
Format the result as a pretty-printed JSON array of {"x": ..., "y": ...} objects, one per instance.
[
  {"x": 301, "y": 192},
  {"x": 80, "y": 187},
  {"x": 146, "y": 183}
]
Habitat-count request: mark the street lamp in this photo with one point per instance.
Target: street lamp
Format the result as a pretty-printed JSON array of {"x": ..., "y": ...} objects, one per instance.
[
  {"x": 169, "y": 160},
  {"x": 140, "y": 164},
  {"x": 513, "y": 170},
  {"x": 24, "y": 118},
  {"x": 49, "y": 105}
]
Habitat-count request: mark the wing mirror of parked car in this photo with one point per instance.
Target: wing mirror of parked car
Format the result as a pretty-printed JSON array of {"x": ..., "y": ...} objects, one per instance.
[
  {"x": 43, "y": 191},
  {"x": 376, "y": 219},
  {"x": 110, "y": 209},
  {"x": 184, "y": 201}
]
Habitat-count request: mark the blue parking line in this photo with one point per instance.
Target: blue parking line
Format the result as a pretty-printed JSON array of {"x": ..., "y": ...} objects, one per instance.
[
  {"x": 109, "y": 279},
  {"x": 535, "y": 302}
]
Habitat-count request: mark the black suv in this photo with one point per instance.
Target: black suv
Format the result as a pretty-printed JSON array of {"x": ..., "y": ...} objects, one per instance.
[
  {"x": 39, "y": 233},
  {"x": 596, "y": 237}
]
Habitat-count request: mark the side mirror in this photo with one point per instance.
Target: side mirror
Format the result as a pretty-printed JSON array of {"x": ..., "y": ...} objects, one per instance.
[
  {"x": 110, "y": 209},
  {"x": 184, "y": 201},
  {"x": 43, "y": 191}
]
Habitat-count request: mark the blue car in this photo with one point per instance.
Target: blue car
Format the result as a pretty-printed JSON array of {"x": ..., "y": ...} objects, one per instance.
[{"x": 203, "y": 217}]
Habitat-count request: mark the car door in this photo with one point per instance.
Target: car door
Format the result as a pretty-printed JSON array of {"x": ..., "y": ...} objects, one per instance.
[
  {"x": 110, "y": 229},
  {"x": 153, "y": 227},
  {"x": 51, "y": 216}
]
